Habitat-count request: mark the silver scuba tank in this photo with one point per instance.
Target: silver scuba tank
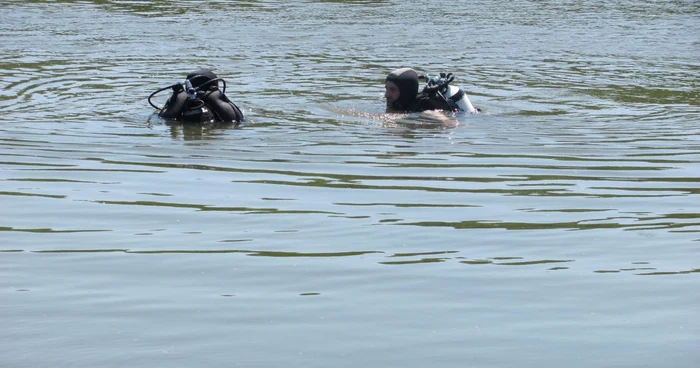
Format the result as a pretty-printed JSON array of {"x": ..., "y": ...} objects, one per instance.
[{"x": 455, "y": 95}]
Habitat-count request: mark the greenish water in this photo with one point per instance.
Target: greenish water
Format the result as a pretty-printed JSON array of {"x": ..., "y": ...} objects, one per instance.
[{"x": 559, "y": 228}]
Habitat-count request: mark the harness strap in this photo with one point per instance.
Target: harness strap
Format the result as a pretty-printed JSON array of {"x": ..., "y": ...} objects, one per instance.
[{"x": 457, "y": 96}]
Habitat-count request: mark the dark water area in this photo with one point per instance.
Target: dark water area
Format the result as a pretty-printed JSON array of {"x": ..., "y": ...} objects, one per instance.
[{"x": 560, "y": 227}]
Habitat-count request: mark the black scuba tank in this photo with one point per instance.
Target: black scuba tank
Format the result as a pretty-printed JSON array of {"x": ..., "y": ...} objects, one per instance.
[
  {"x": 225, "y": 110},
  {"x": 176, "y": 103}
]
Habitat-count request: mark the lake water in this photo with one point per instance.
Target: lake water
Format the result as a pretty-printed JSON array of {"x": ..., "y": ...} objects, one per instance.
[{"x": 561, "y": 227}]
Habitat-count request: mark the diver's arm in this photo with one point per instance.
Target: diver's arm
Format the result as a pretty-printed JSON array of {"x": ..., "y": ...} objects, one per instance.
[{"x": 441, "y": 118}]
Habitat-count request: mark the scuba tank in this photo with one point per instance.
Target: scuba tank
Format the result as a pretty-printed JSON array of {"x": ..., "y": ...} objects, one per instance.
[
  {"x": 175, "y": 103},
  {"x": 453, "y": 96},
  {"x": 199, "y": 100}
]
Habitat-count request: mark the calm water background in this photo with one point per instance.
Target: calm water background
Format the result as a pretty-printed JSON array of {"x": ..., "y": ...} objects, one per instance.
[{"x": 559, "y": 228}]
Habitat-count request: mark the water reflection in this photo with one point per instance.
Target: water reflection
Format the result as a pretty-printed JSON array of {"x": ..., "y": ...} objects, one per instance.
[
  {"x": 48, "y": 230},
  {"x": 590, "y": 224},
  {"x": 192, "y": 132},
  {"x": 407, "y": 259},
  {"x": 417, "y": 261}
]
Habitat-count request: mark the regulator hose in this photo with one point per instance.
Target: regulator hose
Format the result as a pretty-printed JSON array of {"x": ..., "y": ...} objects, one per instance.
[
  {"x": 159, "y": 91},
  {"x": 180, "y": 84}
]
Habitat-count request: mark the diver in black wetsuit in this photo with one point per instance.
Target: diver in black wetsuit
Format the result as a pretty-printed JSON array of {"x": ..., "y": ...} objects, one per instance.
[
  {"x": 199, "y": 100},
  {"x": 401, "y": 93}
]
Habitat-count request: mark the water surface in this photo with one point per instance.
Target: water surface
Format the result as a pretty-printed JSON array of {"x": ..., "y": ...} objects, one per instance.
[{"x": 560, "y": 227}]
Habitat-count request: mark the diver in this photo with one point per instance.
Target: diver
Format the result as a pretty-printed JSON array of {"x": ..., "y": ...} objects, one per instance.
[
  {"x": 199, "y": 100},
  {"x": 402, "y": 93}
]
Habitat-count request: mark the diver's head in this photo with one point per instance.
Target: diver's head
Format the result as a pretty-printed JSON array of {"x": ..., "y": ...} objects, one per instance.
[
  {"x": 401, "y": 89},
  {"x": 199, "y": 77}
]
